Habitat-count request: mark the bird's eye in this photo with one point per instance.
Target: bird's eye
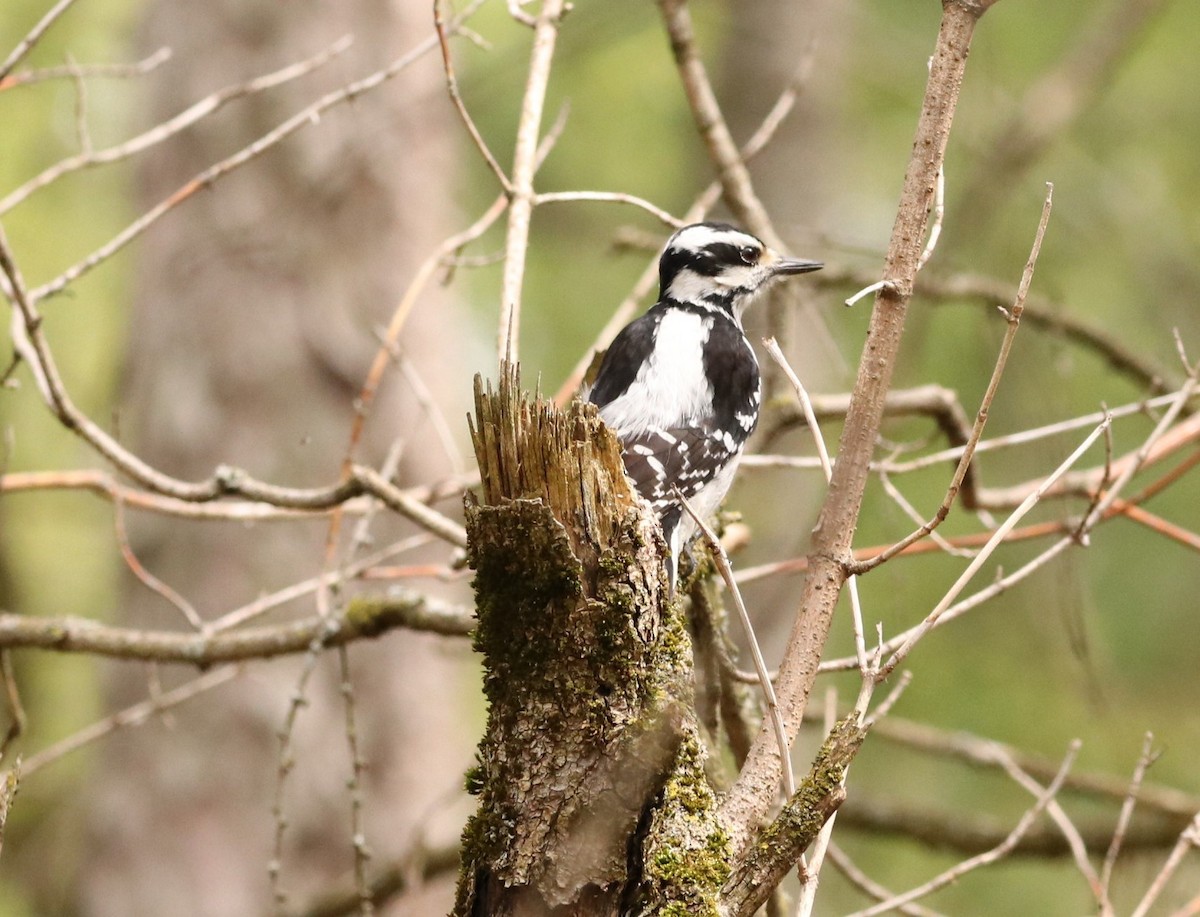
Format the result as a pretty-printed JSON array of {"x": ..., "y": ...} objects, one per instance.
[{"x": 750, "y": 254}]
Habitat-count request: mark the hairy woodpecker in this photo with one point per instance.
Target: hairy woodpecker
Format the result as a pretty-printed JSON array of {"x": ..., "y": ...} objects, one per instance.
[{"x": 680, "y": 384}]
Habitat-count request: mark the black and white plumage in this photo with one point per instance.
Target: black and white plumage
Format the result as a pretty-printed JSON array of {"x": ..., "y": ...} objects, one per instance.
[{"x": 680, "y": 384}]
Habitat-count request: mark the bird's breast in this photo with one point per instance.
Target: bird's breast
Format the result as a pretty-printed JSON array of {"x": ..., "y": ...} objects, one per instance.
[{"x": 671, "y": 388}]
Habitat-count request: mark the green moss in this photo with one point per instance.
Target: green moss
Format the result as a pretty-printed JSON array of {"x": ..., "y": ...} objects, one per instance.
[
  {"x": 803, "y": 816},
  {"x": 475, "y": 778},
  {"x": 687, "y": 852}
]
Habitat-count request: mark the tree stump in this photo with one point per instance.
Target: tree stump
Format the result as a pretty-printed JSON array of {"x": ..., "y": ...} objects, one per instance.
[{"x": 592, "y": 795}]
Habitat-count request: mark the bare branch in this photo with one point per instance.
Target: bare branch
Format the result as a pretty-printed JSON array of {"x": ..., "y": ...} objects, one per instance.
[
  {"x": 736, "y": 186},
  {"x": 751, "y": 795},
  {"x": 1074, "y": 841},
  {"x": 980, "y": 752},
  {"x": 439, "y": 25},
  {"x": 1059, "y": 97},
  {"x": 208, "y": 177},
  {"x": 1040, "y": 313},
  {"x": 32, "y": 37},
  {"x": 104, "y": 485},
  {"x": 525, "y": 156},
  {"x": 314, "y": 584},
  {"x": 1189, "y": 838},
  {"x": 164, "y": 130},
  {"x": 387, "y": 884},
  {"x": 1014, "y": 321},
  {"x": 721, "y": 559},
  {"x": 984, "y": 859},
  {"x": 87, "y": 71},
  {"x": 981, "y": 558},
  {"x": 365, "y": 617},
  {"x": 135, "y": 715},
  {"x": 16, "y": 710},
  {"x": 225, "y": 480},
  {"x": 611, "y": 197},
  {"x": 857, "y": 877},
  {"x": 148, "y": 579}
]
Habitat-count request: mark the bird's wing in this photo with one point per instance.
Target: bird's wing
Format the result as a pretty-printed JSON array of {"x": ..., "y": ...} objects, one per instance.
[
  {"x": 686, "y": 458},
  {"x": 628, "y": 352}
]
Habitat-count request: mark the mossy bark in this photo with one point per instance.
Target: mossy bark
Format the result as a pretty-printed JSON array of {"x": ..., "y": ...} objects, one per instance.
[{"x": 592, "y": 794}]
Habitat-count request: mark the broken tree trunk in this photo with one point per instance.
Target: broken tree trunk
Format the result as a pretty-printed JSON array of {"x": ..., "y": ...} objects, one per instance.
[{"x": 592, "y": 795}]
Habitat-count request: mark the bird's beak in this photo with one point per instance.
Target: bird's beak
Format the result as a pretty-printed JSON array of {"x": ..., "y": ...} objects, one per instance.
[{"x": 794, "y": 266}]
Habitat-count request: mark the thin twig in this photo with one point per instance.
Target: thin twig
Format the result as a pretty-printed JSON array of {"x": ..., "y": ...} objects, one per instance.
[
  {"x": 1041, "y": 313},
  {"x": 865, "y": 883},
  {"x": 83, "y": 135},
  {"x": 1140, "y": 458},
  {"x": 286, "y": 763},
  {"x": 148, "y": 579},
  {"x": 996, "y": 588},
  {"x": 134, "y": 715},
  {"x": 521, "y": 193},
  {"x": 146, "y": 65},
  {"x": 439, "y": 25},
  {"x": 736, "y": 186},
  {"x": 612, "y": 197},
  {"x": 1189, "y": 838},
  {"x": 1034, "y": 434},
  {"x": 203, "y": 180},
  {"x": 939, "y": 212},
  {"x": 261, "y": 605},
  {"x": 986, "y": 552},
  {"x": 164, "y": 130},
  {"x": 33, "y": 36},
  {"x": 1013, "y": 317},
  {"x": 984, "y": 859},
  {"x": 721, "y": 559},
  {"x": 354, "y": 786},
  {"x": 890, "y": 488},
  {"x": 980, "y": 752},
  {"x": 12, "y": 697},
  {"x": 1139, "y": 773},
  {"x": 1069, "y": 831},
  {"x": 810, "y": 416}
]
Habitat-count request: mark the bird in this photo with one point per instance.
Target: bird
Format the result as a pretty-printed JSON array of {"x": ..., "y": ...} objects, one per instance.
[{"x": 680, "y": 385}]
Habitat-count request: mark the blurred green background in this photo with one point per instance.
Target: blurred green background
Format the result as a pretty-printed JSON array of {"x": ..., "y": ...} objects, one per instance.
[{"x": 1101, "y": 645}]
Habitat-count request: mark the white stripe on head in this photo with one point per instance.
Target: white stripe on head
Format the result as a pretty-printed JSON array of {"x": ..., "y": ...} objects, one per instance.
[{"x": 695, "y": 237}]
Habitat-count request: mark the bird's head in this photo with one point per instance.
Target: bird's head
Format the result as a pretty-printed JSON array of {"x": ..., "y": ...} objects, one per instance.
[{"x": 722, "y": 266}]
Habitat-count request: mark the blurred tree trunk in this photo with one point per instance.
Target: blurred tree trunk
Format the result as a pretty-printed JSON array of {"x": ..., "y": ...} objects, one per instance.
[{"x": 253, "y": 325}]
